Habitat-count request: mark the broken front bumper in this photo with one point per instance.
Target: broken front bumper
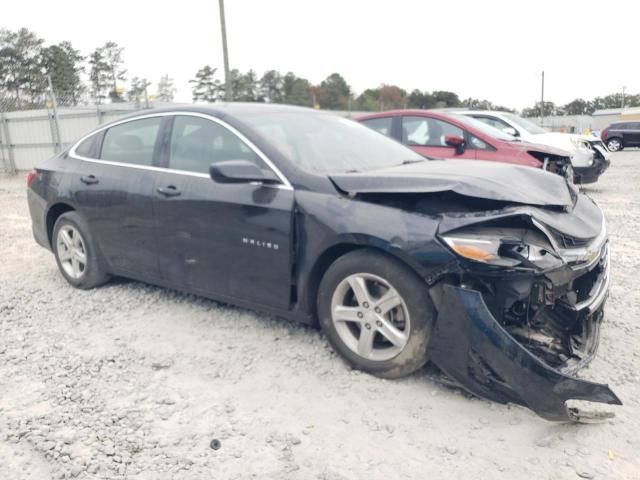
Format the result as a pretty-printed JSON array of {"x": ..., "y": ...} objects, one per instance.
[
  {"x": 489, "y": 362},
  {"x": 590, "y": 174}
]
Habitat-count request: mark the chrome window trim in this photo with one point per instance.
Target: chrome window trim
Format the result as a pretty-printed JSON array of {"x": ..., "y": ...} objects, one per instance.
[{"x": 286, "y": 185}]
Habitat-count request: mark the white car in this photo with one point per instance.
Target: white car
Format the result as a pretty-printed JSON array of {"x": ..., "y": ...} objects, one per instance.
[{"x": 589, "y": 156}]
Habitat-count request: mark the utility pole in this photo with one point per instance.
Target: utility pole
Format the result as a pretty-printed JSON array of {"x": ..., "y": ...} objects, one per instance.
[
  {"x": 542, "y": 103},
  {"x": 624, "y": 89},
  {"x": 225, "y": 53}
]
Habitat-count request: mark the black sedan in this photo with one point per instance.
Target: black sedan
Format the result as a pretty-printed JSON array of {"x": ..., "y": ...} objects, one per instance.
[{"x": 497, "y": 273}]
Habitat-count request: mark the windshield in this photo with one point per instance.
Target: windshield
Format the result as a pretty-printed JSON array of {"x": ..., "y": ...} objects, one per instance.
[
  {"x": 484, "y": 128},
  {"x": 524, "y": 124},
  {"x": 325, "y": 143}
]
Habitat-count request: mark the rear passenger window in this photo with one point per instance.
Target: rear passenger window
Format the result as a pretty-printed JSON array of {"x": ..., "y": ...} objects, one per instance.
[
  {"x": 197, "y": 142},
  {"x": 88, "y": 147},
  {"x": 131, "y": 142},
  {"x": 382, "y": 125}
]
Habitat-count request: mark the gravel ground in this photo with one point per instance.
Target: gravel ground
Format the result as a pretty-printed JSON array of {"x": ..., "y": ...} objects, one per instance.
[{"x": 134, "y": 381}]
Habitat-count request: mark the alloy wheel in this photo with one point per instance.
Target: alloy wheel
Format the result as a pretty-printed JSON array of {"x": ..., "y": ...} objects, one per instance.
[
  {"x": 370, "y": 316},
  {"x": 613, "y": 144},
  {"x": 71, "y": 251}
]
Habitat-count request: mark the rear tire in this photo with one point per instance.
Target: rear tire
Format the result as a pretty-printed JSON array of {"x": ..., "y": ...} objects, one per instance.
[
  {"x": 76, "y": 252},
  {"x": 376, "y": 313}
]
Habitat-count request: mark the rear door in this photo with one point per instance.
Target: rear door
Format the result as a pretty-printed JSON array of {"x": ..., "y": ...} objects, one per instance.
[
  {"x": 114, "y": 190},
  {"x": 426, "y": 136},
  {"x": 632, "y": 134},
  {"x": 226, "y": 240}
]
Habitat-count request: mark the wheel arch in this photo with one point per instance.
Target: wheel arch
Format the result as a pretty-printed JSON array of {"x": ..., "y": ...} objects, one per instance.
[
  {"x": 53, "y": 213},
  {"x": 337, "y": 250},
  {"x": 615, "y": 137}
]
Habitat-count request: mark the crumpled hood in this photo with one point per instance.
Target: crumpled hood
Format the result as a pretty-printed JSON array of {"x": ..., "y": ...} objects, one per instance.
[{"x": 472, "y": 178}]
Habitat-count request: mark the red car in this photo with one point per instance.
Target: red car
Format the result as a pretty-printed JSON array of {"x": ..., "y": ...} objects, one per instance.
[{"x": 447, "y": 135}]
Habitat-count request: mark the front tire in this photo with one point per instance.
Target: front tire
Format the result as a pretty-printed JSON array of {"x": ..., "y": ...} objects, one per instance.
[
  {"x": 376, "y": 313},
  {"x": 614, "y": 144},
  {"x": 76, "y": 253}
]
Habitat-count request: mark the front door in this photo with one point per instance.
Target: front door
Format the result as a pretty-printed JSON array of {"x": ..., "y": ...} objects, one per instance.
[
  {"x": 426, "y": 136},
  {"x": 226, "y": 240}
]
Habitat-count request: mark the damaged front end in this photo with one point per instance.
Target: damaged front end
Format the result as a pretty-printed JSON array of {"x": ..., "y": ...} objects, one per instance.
[{"x": 521, "y": 309}]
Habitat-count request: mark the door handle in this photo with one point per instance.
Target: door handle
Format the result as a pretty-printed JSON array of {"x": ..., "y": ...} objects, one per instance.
[
  {"x": 89, "y": 179},
  {"x": 169, "y": 191}
]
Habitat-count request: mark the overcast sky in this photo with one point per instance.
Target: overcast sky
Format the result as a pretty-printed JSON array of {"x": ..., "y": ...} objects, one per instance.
[{"x": 484, "y": 49}]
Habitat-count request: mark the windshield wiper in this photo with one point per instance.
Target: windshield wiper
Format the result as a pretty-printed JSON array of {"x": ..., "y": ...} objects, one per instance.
[{"x": 409, "y": 162}]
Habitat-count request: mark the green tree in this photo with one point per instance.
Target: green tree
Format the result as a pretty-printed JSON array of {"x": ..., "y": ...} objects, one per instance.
[
  {"x": 138, "y": 90},
  {"x": 22, "y": 66},
  {"x": 386, "y": 97},
  {"x": 536, "y": 111},
  {"x": 98, "y": 75},
  {"x": 418, "y": 99},
  {"x": 64, "y": 64},
  {"x": 206, "y": 87},
  {"x": 369, "y": 100},
  {"x": 272, "y": 87},
  {"x": 445, "y": 99},
  {"x": 166, "y": 90},
  {"x": 333, "y": 93},
  {"x": 296, "y": 90},
  {"x": 108, "y": 64},
  {"x": 244, "y": 86},
  {"x": 578, "y": 106}
]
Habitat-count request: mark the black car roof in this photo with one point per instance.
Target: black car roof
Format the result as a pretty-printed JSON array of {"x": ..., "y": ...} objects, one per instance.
[
  {"x": 622, "y": 122},
  {"x": 233, "y": 108}
]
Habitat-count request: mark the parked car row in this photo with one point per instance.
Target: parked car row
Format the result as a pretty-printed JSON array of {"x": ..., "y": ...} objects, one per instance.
[
  {"x": 452, "y": 136},
  {"x": 495, "y": 271},
  {"x": 508, "y": 138}
]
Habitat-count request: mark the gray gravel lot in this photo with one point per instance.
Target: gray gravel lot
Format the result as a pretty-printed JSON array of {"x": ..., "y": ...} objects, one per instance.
[{"x": 134, "y": 381}]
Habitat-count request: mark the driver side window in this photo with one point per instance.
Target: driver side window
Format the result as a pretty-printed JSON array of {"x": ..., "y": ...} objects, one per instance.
[
  {"x": 198, "y": 142},
  {"x": 427, "y": 132}
]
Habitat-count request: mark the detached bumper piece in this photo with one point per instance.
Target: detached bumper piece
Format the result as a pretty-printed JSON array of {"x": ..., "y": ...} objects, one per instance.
[
  {"x": 591, "y": 174},
  {"x": 470, "y": 346}
]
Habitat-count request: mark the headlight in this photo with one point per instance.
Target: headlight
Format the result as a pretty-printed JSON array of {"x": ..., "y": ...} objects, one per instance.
[
  {"x": 580, "y": 143},
  {"x": 503, "y": 252}
]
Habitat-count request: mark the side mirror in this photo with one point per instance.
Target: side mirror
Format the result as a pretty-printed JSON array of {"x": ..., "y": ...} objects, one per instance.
[
  {"x": 240, "y": 171},
  {"x": 511, "y": 131},
  {"x": 457, "y": 142}
]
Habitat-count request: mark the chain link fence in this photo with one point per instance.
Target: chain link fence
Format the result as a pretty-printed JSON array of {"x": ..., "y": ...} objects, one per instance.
[{"x": 32, "y": 131}]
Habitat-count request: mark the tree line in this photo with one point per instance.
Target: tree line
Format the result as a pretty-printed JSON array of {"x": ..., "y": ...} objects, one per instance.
[
  {"x": 580, "y": 106},
  {"x": 333, "y": 93},
  {"x": 27, "y": 64}
]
